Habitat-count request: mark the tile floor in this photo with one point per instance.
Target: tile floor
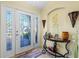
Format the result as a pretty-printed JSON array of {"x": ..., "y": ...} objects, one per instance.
[{"x": 36, "y": 53}]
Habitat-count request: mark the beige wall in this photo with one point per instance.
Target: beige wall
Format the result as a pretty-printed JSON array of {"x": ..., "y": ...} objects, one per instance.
[{"x": 62, "y": 19}]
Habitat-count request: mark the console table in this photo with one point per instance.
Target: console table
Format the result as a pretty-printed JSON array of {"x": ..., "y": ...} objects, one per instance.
[{"x": 55, "y": 53}]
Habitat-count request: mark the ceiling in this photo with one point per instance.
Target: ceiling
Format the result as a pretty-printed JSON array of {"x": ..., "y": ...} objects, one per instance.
[{"x": 38, "y": 4}]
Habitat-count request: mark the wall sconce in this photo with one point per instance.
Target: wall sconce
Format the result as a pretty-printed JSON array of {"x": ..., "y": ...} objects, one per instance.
[
  {"x": 73, "y": 17},
  {"x": 43, "y": 22}
]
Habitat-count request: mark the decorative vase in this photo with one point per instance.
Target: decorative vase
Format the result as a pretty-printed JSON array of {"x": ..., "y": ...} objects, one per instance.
[
  {"x": 65, "y": 36},
  {"x": 43, "y": 21}
]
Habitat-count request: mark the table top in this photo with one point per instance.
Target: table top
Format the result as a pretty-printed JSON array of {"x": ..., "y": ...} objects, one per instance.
[{"x": 52, "y": 39}]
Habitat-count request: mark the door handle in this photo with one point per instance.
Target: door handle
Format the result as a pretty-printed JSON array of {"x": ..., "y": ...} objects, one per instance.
[{"x": 17, "y": 33}]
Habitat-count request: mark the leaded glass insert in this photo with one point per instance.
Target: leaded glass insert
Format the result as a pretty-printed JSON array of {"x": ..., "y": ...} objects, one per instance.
[
  {"x": 8, "y": 33},
  {"x": 25, "y": 27}
]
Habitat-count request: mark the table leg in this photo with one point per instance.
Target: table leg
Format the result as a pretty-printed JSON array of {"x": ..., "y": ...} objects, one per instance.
[{"x": 55, "y": 45}]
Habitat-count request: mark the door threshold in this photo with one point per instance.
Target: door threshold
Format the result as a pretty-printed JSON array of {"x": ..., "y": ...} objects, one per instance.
[{"x": 23, "y": 53}]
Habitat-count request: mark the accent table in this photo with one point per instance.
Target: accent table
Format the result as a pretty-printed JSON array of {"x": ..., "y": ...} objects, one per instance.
[{"x": 55, "y": 53}]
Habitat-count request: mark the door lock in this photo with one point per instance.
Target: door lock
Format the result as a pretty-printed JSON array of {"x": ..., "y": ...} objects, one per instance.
[{"x": 17, "y": 33}]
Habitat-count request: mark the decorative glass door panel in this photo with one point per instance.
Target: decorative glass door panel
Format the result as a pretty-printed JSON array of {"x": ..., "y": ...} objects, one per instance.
[
  {"x": 25, "y": 28},
  {"x": 7, "y": 32}
]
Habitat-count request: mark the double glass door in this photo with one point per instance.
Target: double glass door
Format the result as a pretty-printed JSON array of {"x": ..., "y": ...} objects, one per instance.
[{"x": 19, "y": 32}]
